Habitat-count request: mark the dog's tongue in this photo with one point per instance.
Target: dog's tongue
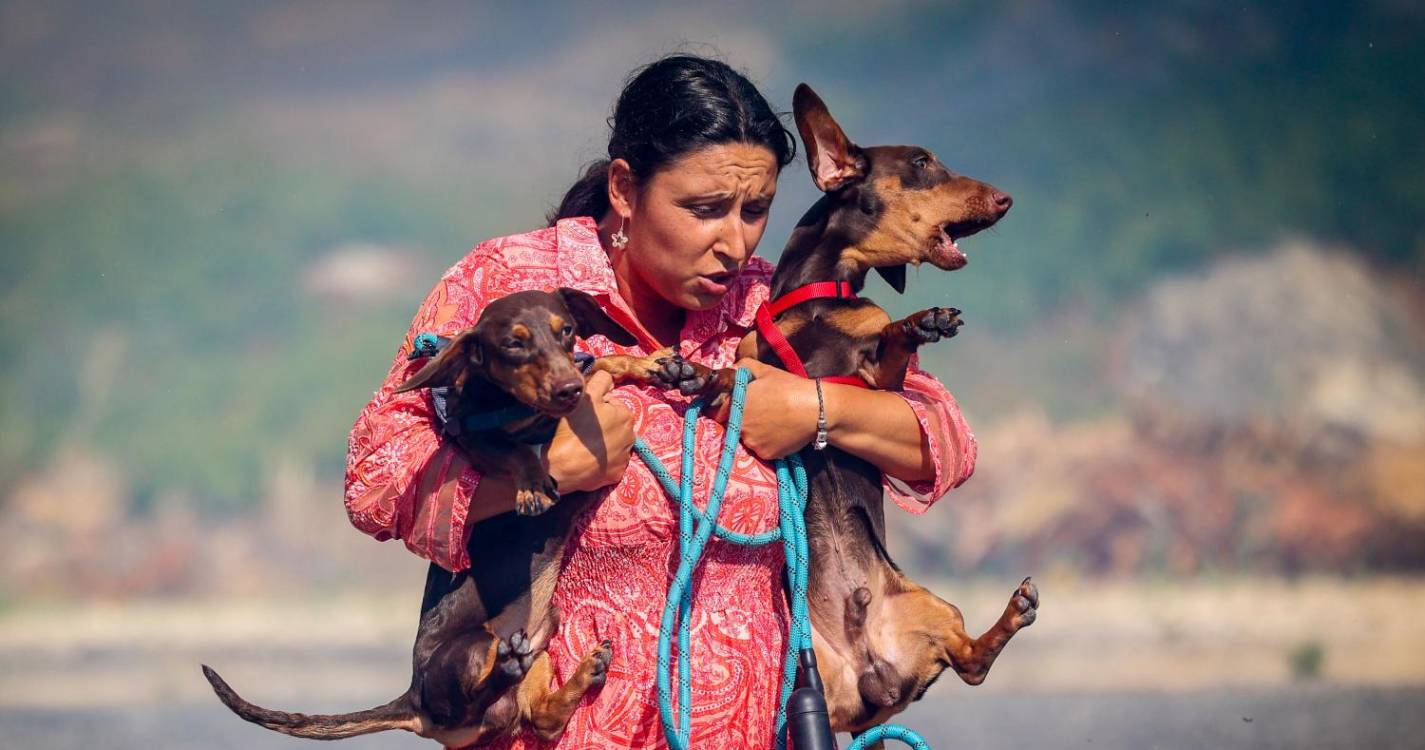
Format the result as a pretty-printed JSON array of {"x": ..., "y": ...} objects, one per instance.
[{"x": 945, "y": 254}]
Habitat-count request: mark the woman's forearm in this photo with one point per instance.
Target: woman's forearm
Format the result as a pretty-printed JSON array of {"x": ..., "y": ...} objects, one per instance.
[
  {"x": 494, "y": 495},
  {"x": 879, "y": 427}
]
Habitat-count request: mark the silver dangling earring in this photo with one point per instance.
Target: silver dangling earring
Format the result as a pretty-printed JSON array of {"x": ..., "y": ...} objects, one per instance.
[{"x": 619, "y": 239}]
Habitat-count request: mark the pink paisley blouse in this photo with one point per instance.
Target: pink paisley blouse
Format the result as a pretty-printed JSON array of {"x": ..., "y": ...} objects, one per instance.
[{"x": 403, "y": 482}]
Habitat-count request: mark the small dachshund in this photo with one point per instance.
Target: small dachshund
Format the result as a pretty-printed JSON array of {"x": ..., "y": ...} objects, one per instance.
[
  {"x": 880, "y": 638},
  {"x": 483, "y": 631}
]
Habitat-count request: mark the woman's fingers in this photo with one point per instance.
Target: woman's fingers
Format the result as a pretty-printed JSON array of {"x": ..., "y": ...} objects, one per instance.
[
  {"x": 779, "y": 415},
  {"x": 598, "y": 385},
  {"x": 616, "y": 428},
  {"x": 617, "y": 422}
]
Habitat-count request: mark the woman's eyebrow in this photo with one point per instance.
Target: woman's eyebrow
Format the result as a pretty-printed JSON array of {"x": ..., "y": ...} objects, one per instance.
[
  {"x": 720, "y": 195},
  {"x": 726, "y": 195}
]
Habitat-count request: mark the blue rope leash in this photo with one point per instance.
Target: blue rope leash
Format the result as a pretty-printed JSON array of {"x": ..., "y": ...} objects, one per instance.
[
  {"x": 791, "y": 530},
  {"x": 695, "y": 527}
]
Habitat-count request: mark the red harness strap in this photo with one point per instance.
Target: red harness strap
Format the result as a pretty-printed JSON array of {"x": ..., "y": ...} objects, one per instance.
[{"x": 774, "y": 338}]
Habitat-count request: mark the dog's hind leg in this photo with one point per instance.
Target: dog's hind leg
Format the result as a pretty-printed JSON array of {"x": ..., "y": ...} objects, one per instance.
[
  {"x": 971, "y": 658},
  {"x": 465, "y": 675},
  {"x": 975, "y": 658},
  {"x": 548, "y": 712}
]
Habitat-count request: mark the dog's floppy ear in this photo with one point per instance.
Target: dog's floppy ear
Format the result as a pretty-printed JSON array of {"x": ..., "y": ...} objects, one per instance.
[
  {"x": 894, "y": 275},
  {"x": 445, "y": 368},
  {"x": 591, "y": 320},
  {"x": 834, "y": 160}
]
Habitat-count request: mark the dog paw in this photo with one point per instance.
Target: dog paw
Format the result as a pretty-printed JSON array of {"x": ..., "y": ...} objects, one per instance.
[
  {"x": 929, "y": 326},
  {"x": 509, "y": 663},
  {"x": 673, "y": 372},
  {"x": 530, "y": 501},
  {"x": 597, "y": 663},
  {"x": 1023, "y": 605},
  {"x": 523, "y": 648}
]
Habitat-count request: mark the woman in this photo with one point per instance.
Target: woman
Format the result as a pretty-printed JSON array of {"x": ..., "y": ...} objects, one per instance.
[{"x": 662, "y": 234}]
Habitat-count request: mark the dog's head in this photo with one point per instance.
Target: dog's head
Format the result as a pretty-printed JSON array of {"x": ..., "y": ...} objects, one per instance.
[
  {"x": 524, "y": 344},
  {"x": 908, "y": 207}
]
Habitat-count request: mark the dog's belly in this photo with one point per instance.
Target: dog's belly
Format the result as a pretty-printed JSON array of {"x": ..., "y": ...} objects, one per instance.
[{"x": 853, "y": 582}]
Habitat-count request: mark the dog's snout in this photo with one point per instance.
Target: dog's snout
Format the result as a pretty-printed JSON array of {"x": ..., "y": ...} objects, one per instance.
[
  {"x": 568, "y": 392},
  {"x": 1001, "y": 201}
]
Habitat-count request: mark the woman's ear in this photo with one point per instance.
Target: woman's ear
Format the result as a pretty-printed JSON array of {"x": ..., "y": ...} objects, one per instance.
[{"x": 622, "y": 193}]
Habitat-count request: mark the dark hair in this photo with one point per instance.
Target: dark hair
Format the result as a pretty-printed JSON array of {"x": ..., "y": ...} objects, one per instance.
[{"x": 669, "y": 108}]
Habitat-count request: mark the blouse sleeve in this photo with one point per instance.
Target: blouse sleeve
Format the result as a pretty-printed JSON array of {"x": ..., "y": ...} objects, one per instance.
[
  {"x": 403, "y": 481},
  {"x": 952, "y": 445}
]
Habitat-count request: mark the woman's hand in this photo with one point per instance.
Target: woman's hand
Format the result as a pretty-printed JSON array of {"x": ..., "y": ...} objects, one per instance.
[
  {"x": 591, "y": 446},
  {"x": 779, "y": 414},
  {"x": 779, "y": 418}
]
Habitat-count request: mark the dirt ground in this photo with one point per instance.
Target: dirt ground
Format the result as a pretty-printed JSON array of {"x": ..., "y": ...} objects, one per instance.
[{"x": 1236, "y": 663}]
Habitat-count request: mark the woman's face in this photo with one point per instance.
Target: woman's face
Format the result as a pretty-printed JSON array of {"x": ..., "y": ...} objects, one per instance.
[{"x": 693, "y": 224}]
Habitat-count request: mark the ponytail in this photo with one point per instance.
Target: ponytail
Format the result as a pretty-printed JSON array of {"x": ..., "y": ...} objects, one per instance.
[{"x": 588, "y": 196}]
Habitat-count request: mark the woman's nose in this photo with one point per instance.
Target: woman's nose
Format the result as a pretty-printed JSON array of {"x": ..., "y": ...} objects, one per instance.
[{"x": 734, "y": 241}]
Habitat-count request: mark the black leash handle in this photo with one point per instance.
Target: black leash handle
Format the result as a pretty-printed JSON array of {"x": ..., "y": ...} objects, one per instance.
[{"x": 807, "y": 717}]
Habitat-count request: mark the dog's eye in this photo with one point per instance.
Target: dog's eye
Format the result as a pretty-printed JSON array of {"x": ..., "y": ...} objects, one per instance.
[
  {"x": 514, "y": 343},
  {"x": 921, "y": 162},
  {"x": 568, "y": 331}
]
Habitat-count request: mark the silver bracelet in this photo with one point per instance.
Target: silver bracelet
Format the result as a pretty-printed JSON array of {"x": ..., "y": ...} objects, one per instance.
[{"x": 820, "y": 442}]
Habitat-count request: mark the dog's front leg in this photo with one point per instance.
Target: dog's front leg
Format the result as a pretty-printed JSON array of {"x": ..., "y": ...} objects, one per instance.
[
  {"x": 535, "y": 492},
  {"x": 902, "y": 338},
  {"x": 667, "y": 370}
]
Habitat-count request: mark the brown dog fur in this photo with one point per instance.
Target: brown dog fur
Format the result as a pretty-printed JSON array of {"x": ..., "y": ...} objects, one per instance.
[
  {"x": 880, "y": 638},
  {"x": 479, "y": 665}
]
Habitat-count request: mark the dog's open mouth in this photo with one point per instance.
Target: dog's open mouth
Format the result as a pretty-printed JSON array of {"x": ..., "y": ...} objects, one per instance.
[{"x": 944, "y": 253}]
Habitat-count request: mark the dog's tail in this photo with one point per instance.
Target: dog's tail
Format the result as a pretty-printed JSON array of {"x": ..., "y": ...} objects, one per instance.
[{"x": 398, "y": 714}]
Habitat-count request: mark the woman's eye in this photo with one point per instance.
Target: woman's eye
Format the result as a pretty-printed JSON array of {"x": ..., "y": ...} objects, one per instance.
[
  {"x": 705, "y": 212},
  {"x": 755, "y": 210}
]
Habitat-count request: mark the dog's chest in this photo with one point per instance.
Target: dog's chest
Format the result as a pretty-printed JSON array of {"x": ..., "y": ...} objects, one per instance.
[{"x": 837, "y": 338}]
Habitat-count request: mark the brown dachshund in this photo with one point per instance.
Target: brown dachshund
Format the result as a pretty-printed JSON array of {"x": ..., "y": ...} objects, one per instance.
[
  {"x": 880, "y": 638},
  {"x": 480, "y": 669}
]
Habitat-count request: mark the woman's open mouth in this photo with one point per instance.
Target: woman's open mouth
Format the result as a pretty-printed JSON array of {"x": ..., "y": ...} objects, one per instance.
[{"x": 716, "y": 284}]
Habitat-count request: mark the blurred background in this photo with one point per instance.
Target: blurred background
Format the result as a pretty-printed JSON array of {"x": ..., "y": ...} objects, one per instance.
[{"x": 1194, "y": 354}]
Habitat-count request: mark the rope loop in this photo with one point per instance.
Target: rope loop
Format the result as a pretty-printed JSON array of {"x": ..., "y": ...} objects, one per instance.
[{"x": 695, "y": 527}]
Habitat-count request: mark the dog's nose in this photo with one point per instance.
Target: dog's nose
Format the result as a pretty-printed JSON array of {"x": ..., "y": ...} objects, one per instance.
[
  {"x": 569, "y": 392},
  {"x": 1002, "y": 201}
]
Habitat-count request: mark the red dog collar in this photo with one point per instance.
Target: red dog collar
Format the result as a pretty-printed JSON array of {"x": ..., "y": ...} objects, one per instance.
[{"x": 774, "y": 338}]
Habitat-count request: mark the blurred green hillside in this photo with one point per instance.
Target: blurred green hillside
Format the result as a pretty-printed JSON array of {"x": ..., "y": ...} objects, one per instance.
[{"x": 181, "y": 182}]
